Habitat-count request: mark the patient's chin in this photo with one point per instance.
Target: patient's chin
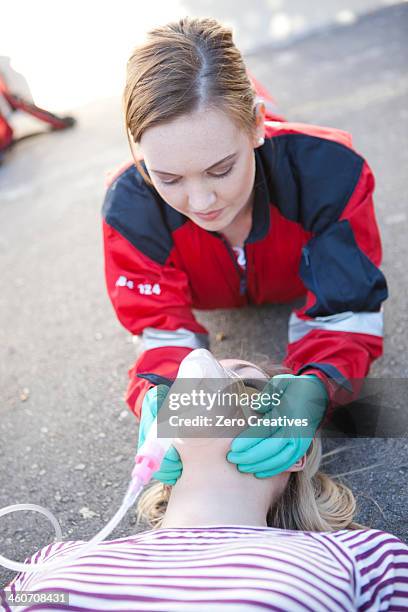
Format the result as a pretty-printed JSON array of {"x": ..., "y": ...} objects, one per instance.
[{"x": 215, "y": 446}]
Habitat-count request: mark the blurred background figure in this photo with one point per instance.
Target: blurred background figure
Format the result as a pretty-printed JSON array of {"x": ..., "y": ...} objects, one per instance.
[{"x": 16, "y": 99}]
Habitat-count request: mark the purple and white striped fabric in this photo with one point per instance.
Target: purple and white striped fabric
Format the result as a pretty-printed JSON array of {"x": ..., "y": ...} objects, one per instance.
[{"x": 229, "y": 567}]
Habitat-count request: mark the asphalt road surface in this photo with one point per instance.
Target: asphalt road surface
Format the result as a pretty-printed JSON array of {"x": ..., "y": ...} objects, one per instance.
[{"x": 67, "y": 440}]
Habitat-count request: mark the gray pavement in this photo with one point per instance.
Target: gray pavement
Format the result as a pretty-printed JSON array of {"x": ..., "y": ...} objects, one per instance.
[{"x": 66, "y": 438}]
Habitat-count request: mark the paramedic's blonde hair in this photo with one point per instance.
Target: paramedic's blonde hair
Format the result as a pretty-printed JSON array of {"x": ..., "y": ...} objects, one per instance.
[
  {"x": 182, "y": 67},
  {"x": 311, "y": 501}
]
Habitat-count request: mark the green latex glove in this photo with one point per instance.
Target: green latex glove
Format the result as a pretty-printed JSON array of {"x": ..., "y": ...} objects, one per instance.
[
  {"x": 300, "y": 397},
  {"x": 171, "y": 465}
]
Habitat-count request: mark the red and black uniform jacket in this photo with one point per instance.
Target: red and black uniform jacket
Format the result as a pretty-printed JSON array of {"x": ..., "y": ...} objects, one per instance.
[{"x": 314, "y": 233}]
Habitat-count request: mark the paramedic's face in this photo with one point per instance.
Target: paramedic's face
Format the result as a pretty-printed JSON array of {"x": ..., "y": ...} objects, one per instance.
[{"x": 184, "y": 160}]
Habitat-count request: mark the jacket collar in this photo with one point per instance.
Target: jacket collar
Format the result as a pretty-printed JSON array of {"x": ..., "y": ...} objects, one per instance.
[{"x": 260, "y": 211}]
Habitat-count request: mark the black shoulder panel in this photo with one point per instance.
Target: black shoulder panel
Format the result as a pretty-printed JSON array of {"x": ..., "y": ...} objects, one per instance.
[
  {"x": 340, "y": 275},
  {"x": 312, "y": 178},
  {"x": 137, "y": 212}
]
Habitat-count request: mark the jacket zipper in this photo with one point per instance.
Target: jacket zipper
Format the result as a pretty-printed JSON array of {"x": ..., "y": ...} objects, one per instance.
[
  {"x": 242, "y": 274},
  {"x": 316, "y": 287}
]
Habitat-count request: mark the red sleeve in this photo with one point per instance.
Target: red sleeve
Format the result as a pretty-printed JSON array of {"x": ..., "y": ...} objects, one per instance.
[
  {"x": 145, "y": 294},
  {"x": 342, "y": 341}
]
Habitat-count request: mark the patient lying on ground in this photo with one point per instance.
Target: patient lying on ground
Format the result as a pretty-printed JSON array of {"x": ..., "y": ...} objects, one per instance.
[{"x": 223, "y": 540}]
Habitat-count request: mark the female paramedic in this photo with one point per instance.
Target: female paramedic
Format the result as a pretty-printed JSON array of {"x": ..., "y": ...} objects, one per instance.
[
  {"x": 222, "y": 540},
  {"x": 227, "y": 204}
]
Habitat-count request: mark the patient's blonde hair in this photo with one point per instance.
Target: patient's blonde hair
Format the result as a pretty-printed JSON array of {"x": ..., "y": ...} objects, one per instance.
[{"x": 311, "y": 501}]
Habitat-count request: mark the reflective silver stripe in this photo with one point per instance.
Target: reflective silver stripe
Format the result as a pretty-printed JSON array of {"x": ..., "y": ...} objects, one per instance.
[
  {"x": 153, "y": 338},
  {"x": 357, "y": 322},
  {"x": 273, "y": 123}
]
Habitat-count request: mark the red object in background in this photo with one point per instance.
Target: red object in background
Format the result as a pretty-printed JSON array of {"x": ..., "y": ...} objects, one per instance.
[
  {"x": 6, "y": 133},
  {"x": 18, "y": 103}
]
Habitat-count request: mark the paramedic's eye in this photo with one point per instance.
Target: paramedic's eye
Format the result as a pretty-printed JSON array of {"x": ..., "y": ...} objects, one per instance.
[
  {"x": 223, "y": 173},
  {"x": 212, "y": 174},
  {"x": 169, "y": 182}
]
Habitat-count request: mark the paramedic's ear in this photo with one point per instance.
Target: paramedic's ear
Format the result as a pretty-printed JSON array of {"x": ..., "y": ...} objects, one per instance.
[
  {"x": 298, "y": 466},
  {"x": 259, "y": 112}
]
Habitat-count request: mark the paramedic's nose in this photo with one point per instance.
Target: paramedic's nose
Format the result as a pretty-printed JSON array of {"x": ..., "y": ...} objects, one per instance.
[{"x": 200, "y": 201}]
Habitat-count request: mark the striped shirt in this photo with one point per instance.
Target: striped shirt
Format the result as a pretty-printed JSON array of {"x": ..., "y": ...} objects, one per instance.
[{"x": 231, "y": 568}]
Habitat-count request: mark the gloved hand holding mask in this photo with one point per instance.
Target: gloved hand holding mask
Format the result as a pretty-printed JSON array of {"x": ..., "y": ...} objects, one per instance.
[
  {"x": 300, "y": 397},
  {"x": 277, "y": 447},
  {"x": 171, "y": 466}
]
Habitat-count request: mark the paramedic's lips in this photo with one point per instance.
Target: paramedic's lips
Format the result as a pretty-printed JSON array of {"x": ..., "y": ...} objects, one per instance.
[{"x": 209, "y": 216}]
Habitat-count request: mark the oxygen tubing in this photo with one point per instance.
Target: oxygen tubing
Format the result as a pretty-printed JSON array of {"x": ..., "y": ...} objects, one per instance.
[
  {"x": 147, "y": 461},
  {"x": 198, "y": 364}
]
